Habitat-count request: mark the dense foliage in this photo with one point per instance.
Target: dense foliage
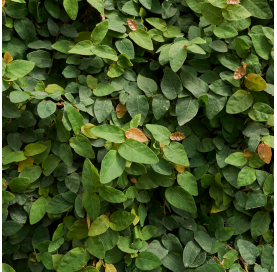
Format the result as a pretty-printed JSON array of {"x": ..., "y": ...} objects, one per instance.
[{"x": 137, "y": 135}]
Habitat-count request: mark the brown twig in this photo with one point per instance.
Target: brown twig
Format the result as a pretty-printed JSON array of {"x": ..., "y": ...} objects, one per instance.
[{"x": 244, "y": 263}]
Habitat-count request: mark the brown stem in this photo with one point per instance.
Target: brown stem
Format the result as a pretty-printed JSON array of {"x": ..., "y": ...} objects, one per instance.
[{"x": 244, "y": 263}]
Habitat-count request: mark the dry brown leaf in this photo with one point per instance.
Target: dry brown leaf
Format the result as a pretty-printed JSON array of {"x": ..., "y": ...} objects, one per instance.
[
  {"x": 7, "y": 57},
  {"x": 247, "y": 154},
  {"x": 177, "y": 136},
  {"x": 179, "y": 168},
  {"x": 265, "y": 153},
  {"x": 120, "y": 110},
  {"x": 239, "y": 72},
  {"x": 133, "y": 180},
  {"x": 132, "y": 24},
  {"x": 25, "y": 163},
  {"x": 135, "y": 133},
  {"x": 233, "y": 2}
]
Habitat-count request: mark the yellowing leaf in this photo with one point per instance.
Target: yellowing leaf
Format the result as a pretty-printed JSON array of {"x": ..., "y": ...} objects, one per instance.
[
  {"x": 247, "y": 154},
  {"x": 255, "y": 83},
  {"x": 135, "y": 133},
  {"x": 7, "y": 57},
  {"x": 135, "y": 212},
  {"x": 265, "y": 153},
  {"x": 120, "y": 110},
  {"x": 179, "y": 168},
  {"x": 25, "y": 163},
  {"x": 110, "y": 268}
]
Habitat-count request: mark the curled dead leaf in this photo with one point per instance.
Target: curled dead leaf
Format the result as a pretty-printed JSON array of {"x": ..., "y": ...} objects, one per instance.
[
  {"x": 135, "y": 133},
  {"x": 265, "y": 153},
  {"x": 132, "y": 24},
  {"x": 7, "y": 57},
  {"x": 179, "y": 168},
  {"x": 232, "y": 2},
  {"x": 120, "y": 110},
  {"x": 177, "y": 136},
  {"x": 247, "y": 154},
  {"x": 240, "y": 72}
]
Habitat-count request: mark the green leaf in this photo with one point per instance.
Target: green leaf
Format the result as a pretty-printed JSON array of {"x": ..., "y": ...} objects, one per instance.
[
  {"x": 211, "y": 14},
  {"x": 235, "y": 13},
  {"x": 78, "y": 230},
  {"x": 190, "y": 252},
  {"x": 160, "y": 133},
  {"x": 19, "y": 185},
  {"x": 73, "y": 260},
  {"x": 82, "y": 48},
  {"x": 16, "y": 156},
  {"x": 225, "y": 31},
  {"x": 7, "y": 268},
  {"x": 111, "y": 195},
  {"x": 120, "y": 220},
  {"x": 261, "y": 112},
  {"x": 112, "y": 167},
  {"x": 95, "y": 247},
  {"x": 91, "y": 203},
  {"x": 260, "y": 223},
  {"x": 90, "y": 176},
  {"x": 82, "y": 146},
  {"x": 215, "y": 105},
  {"x": 239, "y": 102},
  {"x": 19, "y": 68},
  {"x": 214, "y": 267},
  {"x": 71, "y": 8},
  {"x": 148, "y": 85},
  {"x": 99, "y": 225},
  {"x": 103, "y": 89},
  {"x": 147, "y": 261},
  {"x": 176, "y": 153},
  {"x": 111, "y": 133},
  {"x": 194, "y": 84},
  {"x": 104, "y": 51},
  {"x": 40, "y": 58},
  {"x": 204, "y": 240},
  {"x": 58, "y": 205},
  {"x": 38, "y": 209},
  {"x": 248, "y": 251},
  {"x": 137, "y": 105},
  {"x": 158, "y": 23},
  {"x": 102, "y": 108},
  {"x": 75, "y": 118},
  {"x": 98, "y": 4},
  {"x": 171, "y": 84},
  {"x": 230, "y": 61},
  {"x": 177, "y": 55},
  {"x": 224, "y": 234},
  {"x": 99, "y": 32},
  {"x": 236, "y": 159},
  {"x": 258, "y": 8},
  {"x": 186, "y": 109},
  {"x": 125, "y": 46},
  {"x": 142, "y": 39},
  {"x": 181, "y": 199},
  {"x": 135, "y": 151},
  {"x": 187, "y": 181},
  {"x": 46, "y": 108},
  {"x": 246, "y": 176}
]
